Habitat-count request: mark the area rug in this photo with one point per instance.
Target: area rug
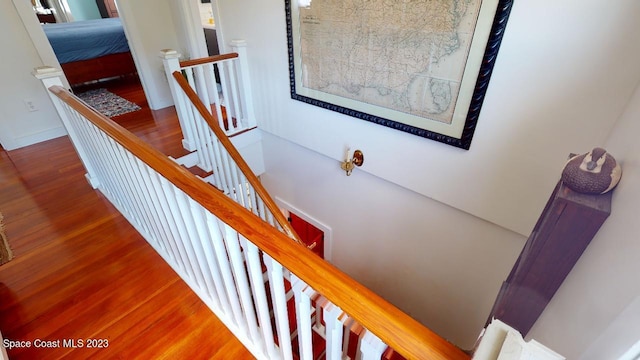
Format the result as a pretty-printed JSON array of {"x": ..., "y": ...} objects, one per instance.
[
  {"x": 5, "y": 250},
  {"x": 108, "y": 103}
]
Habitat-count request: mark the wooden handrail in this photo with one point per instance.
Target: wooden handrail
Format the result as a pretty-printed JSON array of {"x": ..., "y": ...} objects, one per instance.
[
  {"x": 397, "y": 329},
  {"x": 209, "y": 59},
  {"x": 235, "y": 155}
]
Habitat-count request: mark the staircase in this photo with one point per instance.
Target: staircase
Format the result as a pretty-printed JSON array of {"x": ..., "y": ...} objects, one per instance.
[{"x": 223, "y": 234}]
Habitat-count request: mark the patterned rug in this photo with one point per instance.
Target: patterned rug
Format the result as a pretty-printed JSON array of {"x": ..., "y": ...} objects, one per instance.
[
  {"x": 108, "y": 103},
  {"x": 5, "y": 250}
]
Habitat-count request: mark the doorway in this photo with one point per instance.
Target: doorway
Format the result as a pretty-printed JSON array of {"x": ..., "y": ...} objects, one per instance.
[
  {"x": 188, "y": 31},
  {"x": 310, "y": 235},
  {"x": 88, "y": 39},
  {"x": 309, "y": 229}
]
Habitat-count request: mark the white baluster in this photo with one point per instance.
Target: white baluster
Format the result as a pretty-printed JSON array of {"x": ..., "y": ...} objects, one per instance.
[
  {"x": 77, "y": 133},
  {"x": 242, "y": 186},
  {"x": 216, "y": 100},
  {"x": 211, "y": 239},
  {"x": 235, "y": 255},
  {"x": 333, "y": 331},
  {"x": 240, "y": 47},
  {"x": 209, "y": 264},
  {"x": 254, "y": 267},
  {"x": 201, "y": 86},
  {"x": 168, "y": 219},
  {"x": 303, "y": 317},
  {"x": 140, "y": 185},
  {"x": 220, "y": 170},
  {"x": 202, "y": 140},
  {"x": 278, "y": 297},
  {"x": 156, "y": 203},
  {"x": 200, "y": 262},
  {"x": 371, "y": 347},
  {"x": 233, "y": 109}
]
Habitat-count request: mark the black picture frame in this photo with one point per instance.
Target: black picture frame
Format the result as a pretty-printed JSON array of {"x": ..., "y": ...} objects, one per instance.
[{"x": 481, "y": 84}]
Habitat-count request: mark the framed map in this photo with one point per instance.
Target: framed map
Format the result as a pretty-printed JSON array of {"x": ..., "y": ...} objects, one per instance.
[{"x": 420, "y": 66}]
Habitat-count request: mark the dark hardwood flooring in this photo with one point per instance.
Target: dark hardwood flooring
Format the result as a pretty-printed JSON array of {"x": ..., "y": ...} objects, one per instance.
[{"x": 81, "y": 271}]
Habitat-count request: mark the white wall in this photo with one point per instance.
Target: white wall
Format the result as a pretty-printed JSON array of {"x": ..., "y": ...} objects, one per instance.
[
  {"x": 84, "y": 10},
  {"x": 150, "y": 28},
  {"x": 18, "y": 126},
  {"x": 559, "y": 85},
  {"x": 556, "y": 89},
  {"x": 565, "y": 72},
  {"x": 596, "y": 312},
  {"x": 438, "y": 264}
]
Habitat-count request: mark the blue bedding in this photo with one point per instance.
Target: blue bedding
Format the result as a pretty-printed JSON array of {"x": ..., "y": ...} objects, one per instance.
[{"x": 84, "y": 40}]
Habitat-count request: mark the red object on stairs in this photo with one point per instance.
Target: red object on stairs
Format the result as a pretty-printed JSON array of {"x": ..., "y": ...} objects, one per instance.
[{"x": 309, "y": 234}]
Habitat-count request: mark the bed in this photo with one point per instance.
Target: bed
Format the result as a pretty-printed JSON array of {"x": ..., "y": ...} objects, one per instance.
[{"x": 91, "y": 50}]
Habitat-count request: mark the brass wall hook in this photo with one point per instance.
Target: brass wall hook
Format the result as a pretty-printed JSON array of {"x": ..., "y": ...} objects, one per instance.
[{"x": 351, "y": 162}]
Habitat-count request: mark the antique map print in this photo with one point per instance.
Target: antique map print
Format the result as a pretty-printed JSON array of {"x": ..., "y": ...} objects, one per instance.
[{"x": 408, "y": 56}]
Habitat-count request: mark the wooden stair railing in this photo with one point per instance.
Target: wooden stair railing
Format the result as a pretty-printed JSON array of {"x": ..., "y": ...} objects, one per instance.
[
  {"x": 222, "y": 82},
  {"x": 142, "y": 168},
  {"x": 253, "y": 180}
]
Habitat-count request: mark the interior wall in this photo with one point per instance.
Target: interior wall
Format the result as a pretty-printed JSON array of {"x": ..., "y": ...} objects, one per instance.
[
  {"x": 150, "y": 27},
  {"x": 18, "y": 126},
  {"x": 84, "y": 10},
  {"x": 596, "y": 312},
  {"x": 414, "y": 223},
  {"x": 189, "y": 32},
  {"x": 555, "y": 74},
  {"x": 438, "y": 264}
]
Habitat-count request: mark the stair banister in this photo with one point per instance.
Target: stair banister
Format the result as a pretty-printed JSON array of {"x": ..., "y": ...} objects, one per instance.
[
  {"x": 222, "y": 81},
  {"x": 183, "y": 85},
  {"x": 388, "y": 323}
]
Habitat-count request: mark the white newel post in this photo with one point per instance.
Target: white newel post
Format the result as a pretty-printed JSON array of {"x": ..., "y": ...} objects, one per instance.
[
  {"x": 240, "y": 47},
  {"x": 171, "y": 61},
  {"x": 51, "y": 76}
]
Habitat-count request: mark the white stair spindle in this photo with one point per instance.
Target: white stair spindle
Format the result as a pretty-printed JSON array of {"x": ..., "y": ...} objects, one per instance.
[
  {"x": 216, "y": 254},
  {"x": 371, "y": 347},
  {"x": 278, "y": 297},
  {"x": 220, "y": 172},
  {"x": 334, "y": 332},
  {"x": 217, "y": 261},
  {"x": 208, "y": 285},
  {"x": 254, "y": 267},
  {"x": 201, "y": 86},
  {"x": 217, "y": 102},
  {"x": 179, "y": 255},
  {"x": 235, "y": 255},
  {"x": 240, "y": 47},
  {"x": 303, "y": 317}
]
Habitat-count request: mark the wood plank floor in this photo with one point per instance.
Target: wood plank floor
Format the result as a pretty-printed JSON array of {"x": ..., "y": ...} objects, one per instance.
[{"x": 82, "y": 272}]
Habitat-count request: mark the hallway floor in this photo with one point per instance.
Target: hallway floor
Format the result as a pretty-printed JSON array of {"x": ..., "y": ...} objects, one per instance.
[{"x": 82, "y": 276}]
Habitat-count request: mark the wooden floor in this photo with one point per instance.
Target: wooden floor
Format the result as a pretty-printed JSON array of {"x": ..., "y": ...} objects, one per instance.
[{"x": 82, "y": 273}]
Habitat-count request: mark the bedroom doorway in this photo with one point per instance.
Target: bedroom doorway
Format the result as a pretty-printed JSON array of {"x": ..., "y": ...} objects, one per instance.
[
  {"x": 88, "y": 40},
  {"x": 145, "y": 36}
]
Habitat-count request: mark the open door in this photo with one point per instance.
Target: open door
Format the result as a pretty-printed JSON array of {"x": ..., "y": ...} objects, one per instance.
[{"x": 309, "y": 234}]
